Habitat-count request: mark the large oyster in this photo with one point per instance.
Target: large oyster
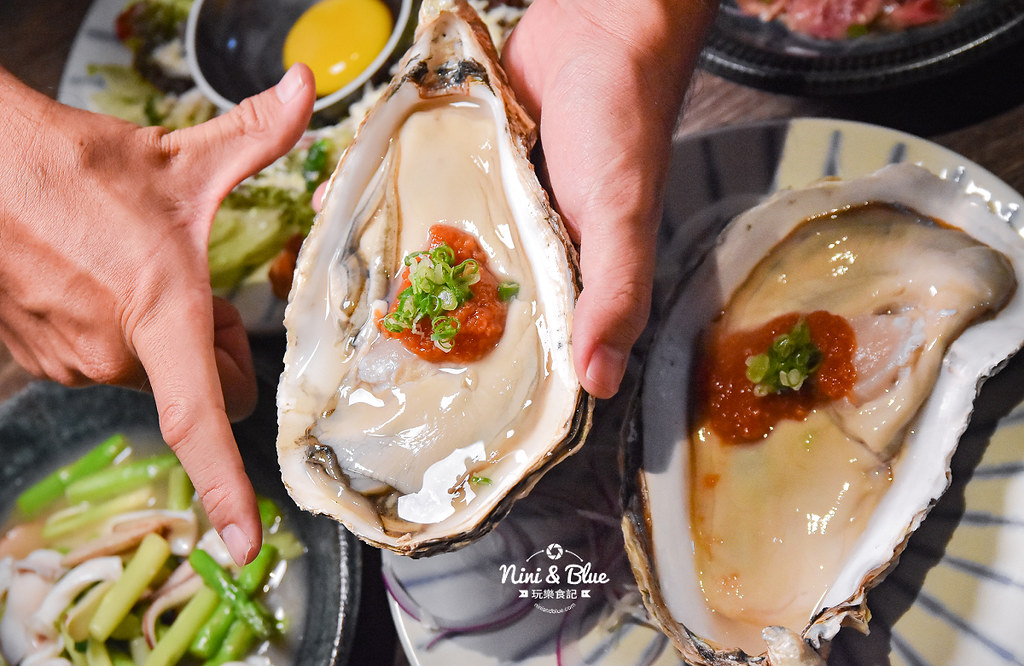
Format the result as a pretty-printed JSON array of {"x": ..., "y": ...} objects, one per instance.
[
  {"x": 418, "y": 455},
  {"x": 731, "y": 541}
]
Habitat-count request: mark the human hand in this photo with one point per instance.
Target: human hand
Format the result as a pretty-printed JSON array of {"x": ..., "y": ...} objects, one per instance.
[
  {"x": 104, "y": 275},
  {"x": 606, "y": 80}
]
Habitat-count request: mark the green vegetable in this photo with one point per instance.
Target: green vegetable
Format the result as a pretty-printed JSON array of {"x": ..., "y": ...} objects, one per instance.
[
  {"x": 250, "y": 579},
  {"x": 77, "y": 627},
  {"x": 508, "y": 290},
  {"x": 119, "y": 599},
  {"x": 96, "y": 654},
  {"x": 139, "y": 648},
  {"x": 130, "y": 626},
  {"x": 288, "y": 545},
  {"x": 479, "y": 480},
  {"x": 145, "y": 27},
  {"x": 179, "y": 490},
  {"x": 116, "y": 480},
  {"x": 126, "y": 94},
  {"x": 270, "y": 513},
  {"x": 172, "y": 646},
  {"x": 34, "y": 499},
  {"x": 75, "y": 651},
  {"x": 435, "y": 288},
  {"x": 315, "y": 165},
  {"x": 236, "y": 644},
  {"x": 250, "y": 228},
  {"x": 220, "y": 582},
  {"x": 296, "y": 208},
  {"x": 119, "y": 658},
  {"x": 787, "y": 364},
  {"x": 76, "y": 517}
]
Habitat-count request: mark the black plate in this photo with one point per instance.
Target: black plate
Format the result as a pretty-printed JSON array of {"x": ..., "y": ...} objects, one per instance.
[
  {"x": 47, "y": 425},
  {"x": 766, "y": 55}
]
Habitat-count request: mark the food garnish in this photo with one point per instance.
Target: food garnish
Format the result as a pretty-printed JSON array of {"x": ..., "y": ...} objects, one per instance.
[
  {"x": 448, "y": 291},
  {"x": 787, "y": 364},
  {"x": 436, "y": 287},
  {"x": 508, "y": 290},
  {"x": 753, "y": 378}
]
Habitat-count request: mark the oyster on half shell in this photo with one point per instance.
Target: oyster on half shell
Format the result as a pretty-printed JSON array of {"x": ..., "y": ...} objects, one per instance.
[
  {"x": 422, "y": 453},
  {"x": 742, "y": 546}
]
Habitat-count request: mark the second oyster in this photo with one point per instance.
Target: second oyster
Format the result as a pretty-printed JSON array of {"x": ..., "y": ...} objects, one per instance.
[
  {"x": 748, "y": 534},
  {"x": 416, "y": 440}
]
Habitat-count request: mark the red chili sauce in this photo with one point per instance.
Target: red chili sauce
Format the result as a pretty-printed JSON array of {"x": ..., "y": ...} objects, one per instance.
[
  {"x": 728, "y": 402},
  {"x": 481, "y": 318}
]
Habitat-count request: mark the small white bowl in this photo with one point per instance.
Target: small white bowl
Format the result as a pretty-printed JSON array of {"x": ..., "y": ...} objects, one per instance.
[{"x": 234, "y": 47}]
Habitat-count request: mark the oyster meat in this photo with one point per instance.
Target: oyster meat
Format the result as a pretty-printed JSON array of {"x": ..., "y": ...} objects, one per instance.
[
  {"x": 410, "y": 440},
  {"x": 902, "y": 292}
]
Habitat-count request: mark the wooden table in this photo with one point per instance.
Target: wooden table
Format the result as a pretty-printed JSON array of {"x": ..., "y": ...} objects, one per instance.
[{"x": 978, "y": 113}]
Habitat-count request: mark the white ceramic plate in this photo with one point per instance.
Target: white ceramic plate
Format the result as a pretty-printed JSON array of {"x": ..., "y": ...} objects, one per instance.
[
  {"x": 958, "y": 594},
  {"x": 96, "y": 43}
]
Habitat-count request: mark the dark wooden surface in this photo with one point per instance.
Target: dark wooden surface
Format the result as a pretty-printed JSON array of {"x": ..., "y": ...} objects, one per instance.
[{"x": 978, "y": 113}]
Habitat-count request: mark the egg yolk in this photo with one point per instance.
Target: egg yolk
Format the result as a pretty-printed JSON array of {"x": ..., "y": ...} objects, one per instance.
[{"x": 338, "y": 39}]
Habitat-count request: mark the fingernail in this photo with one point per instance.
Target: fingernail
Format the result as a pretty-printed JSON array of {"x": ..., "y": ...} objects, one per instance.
[
  {"x": 237, "y": 542},
  {"x": 605, "y": 370},
  {"x": 289, "y": 85}
]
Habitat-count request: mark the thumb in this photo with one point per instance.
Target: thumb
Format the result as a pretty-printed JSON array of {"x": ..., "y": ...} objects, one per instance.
[
  {"x": 613, "y": 307},
  {"x": 225, "y": 150}
]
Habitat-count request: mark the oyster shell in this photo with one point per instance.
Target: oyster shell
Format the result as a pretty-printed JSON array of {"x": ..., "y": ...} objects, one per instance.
[
  {"x": 729, "y": 539},
  {"x": 415, "y": 455}
]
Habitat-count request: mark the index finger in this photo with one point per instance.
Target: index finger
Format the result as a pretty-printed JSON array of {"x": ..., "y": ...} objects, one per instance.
[{"x": 178, "y": 355}]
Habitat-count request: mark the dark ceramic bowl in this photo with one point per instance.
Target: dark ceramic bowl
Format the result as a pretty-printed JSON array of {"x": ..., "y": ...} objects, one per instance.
[
  {"x": 767, "y": 55},
  {"x": 48, "y": 425},
  {"x": 234, "y": 47}
]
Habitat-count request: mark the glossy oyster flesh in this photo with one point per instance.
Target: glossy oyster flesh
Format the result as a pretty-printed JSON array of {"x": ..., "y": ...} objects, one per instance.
[
  {"x": 422, "y": 451},
  {"x": 739, "y": 525}
]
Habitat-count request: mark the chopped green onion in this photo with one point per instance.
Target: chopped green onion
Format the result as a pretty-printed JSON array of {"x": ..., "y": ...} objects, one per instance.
[
  {"x": 787, "y": 364},
  {"x": 435, "y": 288},
  {"x": 479, "y": 480},
  {"x": 507, "y": 291}
]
